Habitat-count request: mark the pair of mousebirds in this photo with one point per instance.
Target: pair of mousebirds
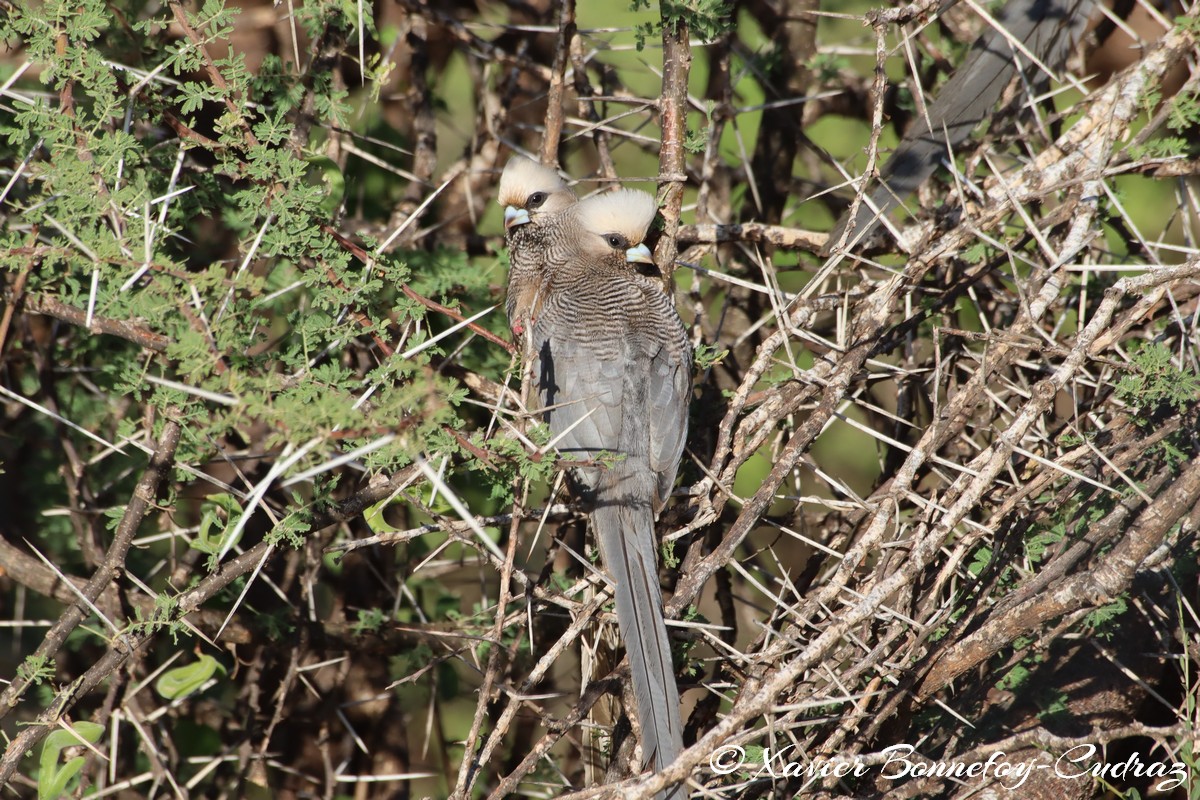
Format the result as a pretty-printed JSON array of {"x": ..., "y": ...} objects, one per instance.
[{"x": 613, "y": 371}]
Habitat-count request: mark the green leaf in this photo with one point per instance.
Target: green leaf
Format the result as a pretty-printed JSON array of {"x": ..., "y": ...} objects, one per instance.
[
  {"x": 755, "y": 754},
  {"x": 182, "y": 681},
  {"x": 707, "y": 355},
  {"x": 53, "y": 778},
  {"x": 214, "y": 524},
  {"x": 375, "y": 521},
  {"x": 979, "y": 561}
]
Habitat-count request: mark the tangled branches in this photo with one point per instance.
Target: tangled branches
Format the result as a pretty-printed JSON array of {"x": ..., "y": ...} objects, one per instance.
[{"x": 941, "y": 494}]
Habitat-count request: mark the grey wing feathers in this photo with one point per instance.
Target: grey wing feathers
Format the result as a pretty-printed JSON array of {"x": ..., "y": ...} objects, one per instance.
[
  {"x": 669, "y": 381},
  {"x": 581, "y": 378},
  {"x": 580, "y": 382},
  {"x": 669, "y": 391}
]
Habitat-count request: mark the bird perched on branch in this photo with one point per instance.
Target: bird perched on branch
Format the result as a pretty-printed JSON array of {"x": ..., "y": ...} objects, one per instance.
[
  {"x": 532, "y": 195},
  {"x": 614, "y": 376}
]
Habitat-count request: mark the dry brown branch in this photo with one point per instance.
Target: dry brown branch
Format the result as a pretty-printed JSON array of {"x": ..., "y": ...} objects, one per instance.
[
  {"x": 114, "y": 562},
  {"x": 1108, "y": 579},
  {"x": 120, "y": 651},
  {"x": 362, "y": 255},
  {"x": 210, "y": 67},
  {"x": 943, "y": 493},
  {"x": 754, "y": 233},
  {"x": 139, "y": 504},
  {"x": 672, "y": 154},
  {"x": 558, "y": 77}
]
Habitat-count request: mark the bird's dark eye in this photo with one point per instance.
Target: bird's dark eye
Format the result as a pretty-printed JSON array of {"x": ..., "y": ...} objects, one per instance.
[
  {"x": 535, "y": 200},
  {"x": 616, "y": 241}
]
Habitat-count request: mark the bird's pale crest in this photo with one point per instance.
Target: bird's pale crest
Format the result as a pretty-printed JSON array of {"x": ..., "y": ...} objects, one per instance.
[
  {"x": 523, "y": 177},
  {"x": 628, "y": 212}
]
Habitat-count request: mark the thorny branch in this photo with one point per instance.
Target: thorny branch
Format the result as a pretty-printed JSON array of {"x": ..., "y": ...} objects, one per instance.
[{"x": 922, "y": 481}]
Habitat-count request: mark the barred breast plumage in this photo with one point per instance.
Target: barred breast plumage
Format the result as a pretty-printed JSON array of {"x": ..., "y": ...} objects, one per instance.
[{"x": 533, "y": 197}]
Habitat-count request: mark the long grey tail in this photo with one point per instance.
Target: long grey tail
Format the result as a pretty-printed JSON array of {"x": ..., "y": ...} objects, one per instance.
[{"x": 624, "y": 526}]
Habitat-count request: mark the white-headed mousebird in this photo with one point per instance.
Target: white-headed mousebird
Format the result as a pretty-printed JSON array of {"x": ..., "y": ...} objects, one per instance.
[
  {"x": 532, "y": 196},
  {"x": 614, "y": 376}
]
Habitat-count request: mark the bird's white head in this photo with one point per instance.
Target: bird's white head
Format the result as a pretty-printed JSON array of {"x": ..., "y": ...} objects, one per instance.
[
  {"x": 528, "y": 189},
  {"x": 618, "y": 221}
]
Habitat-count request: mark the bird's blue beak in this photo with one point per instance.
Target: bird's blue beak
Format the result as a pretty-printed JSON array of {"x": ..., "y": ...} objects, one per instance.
[
  {"x": 639, "y": 255},
  {"x": 514, "y": 216}
]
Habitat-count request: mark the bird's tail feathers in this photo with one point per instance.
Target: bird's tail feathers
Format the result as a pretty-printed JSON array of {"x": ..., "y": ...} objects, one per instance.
[{"x": 624, "y": 527}]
